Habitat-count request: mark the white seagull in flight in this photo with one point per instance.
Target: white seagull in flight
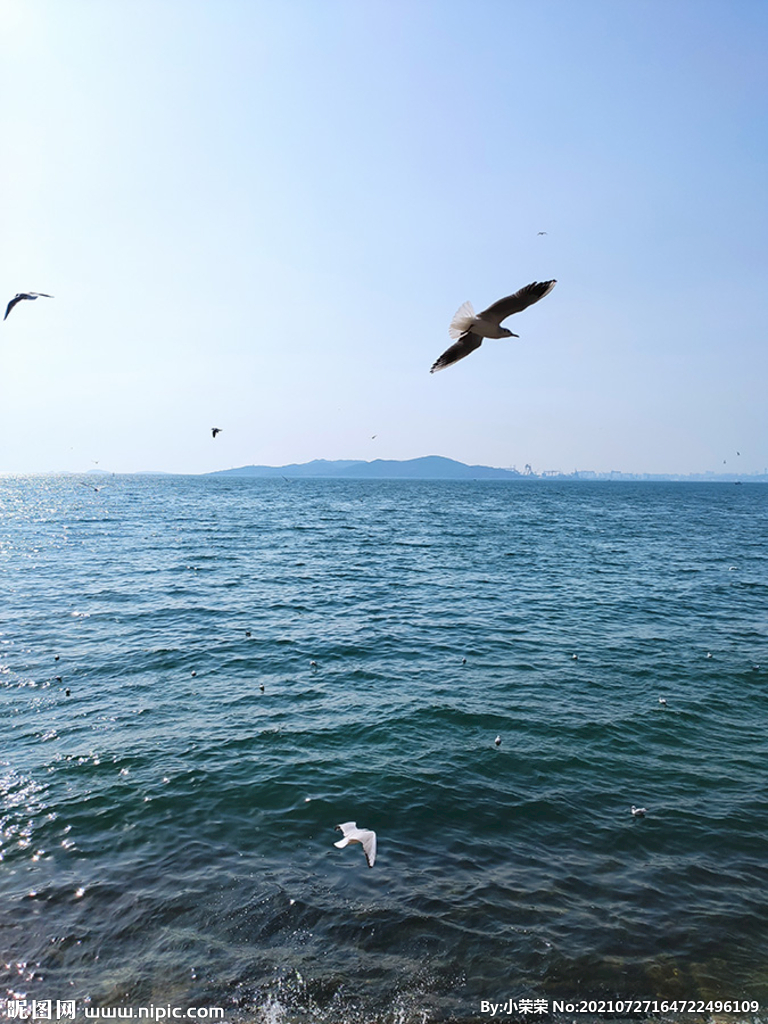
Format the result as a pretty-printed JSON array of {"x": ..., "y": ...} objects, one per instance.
[
  {"x": 24, "y": 295},
  {"x": 364, "y": 836},
  {"x": 470, "y": 329}
]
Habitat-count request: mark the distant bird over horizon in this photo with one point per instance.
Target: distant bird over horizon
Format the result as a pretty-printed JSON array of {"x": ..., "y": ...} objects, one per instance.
[
  {"x": 541, "y": 232},
  {"x": 364, "y": 836},
  {"x": 470, "y": 329},
  {"x": 215, "y": 431},
  {"x": 20, "y": 296}
]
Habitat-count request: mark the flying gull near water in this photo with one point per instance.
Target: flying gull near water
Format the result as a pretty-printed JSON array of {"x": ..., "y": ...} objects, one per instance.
[
  {"x": 364, "y": 836},
  {"x": 24, "y": 295},
  {"x": 470, "y": 329},
  {"x": 215, "y": 431}
]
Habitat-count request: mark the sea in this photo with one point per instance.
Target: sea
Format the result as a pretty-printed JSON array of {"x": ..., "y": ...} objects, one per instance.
[{"x": 201, "y": 677}]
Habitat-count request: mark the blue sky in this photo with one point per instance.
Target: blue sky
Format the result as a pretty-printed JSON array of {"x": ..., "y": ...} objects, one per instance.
[{"x": 262, "y": 217}]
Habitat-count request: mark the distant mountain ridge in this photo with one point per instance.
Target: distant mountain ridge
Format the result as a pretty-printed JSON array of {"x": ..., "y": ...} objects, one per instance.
[
  {"x": 428, "y": 467},
  {"x": 437, "y": 467}
]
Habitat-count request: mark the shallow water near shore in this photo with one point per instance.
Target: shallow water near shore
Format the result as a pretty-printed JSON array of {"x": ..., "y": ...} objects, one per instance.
[{"x": 173, "y": 763}]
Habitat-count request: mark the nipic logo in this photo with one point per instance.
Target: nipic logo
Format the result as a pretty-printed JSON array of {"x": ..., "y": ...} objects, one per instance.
[{"x": 66, "y": 1009}]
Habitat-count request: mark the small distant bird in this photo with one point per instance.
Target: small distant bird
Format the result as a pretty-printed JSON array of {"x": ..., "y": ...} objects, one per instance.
[
  {"x": 662, "y": 700},
  {"x": 470, "y": 329},
  {"x": 497, "y": 741},
  {"x": 24, "y": 295},
  {"x": 364, "y": 836},
  {"x": 541, "y": 232},
  {"x": 215, "y": 431},
  {"x": 638, "y": 812},
  {"x": 313, "y": 664}
]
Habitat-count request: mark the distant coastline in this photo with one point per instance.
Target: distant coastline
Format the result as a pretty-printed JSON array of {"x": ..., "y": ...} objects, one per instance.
[
  {"x": 428, "y": 467},
  {"x": 437, "y": 467}
]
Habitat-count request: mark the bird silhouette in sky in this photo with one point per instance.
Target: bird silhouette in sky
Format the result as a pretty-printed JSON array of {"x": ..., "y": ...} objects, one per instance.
[{"x": 20, "y": 296}]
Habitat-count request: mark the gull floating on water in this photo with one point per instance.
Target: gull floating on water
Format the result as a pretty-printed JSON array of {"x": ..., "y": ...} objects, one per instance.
[
  {"x": 24, "y": 295},
  {"x": 470, "y": 329},
  {"x": 364, "y": 836},
  {"x": 638, "y": 812}
]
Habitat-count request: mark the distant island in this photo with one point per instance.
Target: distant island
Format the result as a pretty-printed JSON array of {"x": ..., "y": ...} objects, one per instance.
[
  {"x": 429, "y": 467},
  {"x": 437, "y": 467}
]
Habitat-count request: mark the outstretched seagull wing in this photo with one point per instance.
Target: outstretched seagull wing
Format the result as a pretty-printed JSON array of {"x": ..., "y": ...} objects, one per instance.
[
  {"x": 467, "y": 343},
  {"x": 515, "y": 303},
  {"x": 348, "y": 829},
  {"x": 368, "y": 841},
  {"x": 11, "y": 304}
]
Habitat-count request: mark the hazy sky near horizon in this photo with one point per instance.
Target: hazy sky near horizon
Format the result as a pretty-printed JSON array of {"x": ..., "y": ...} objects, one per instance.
[{"x": 262, "y": 216}]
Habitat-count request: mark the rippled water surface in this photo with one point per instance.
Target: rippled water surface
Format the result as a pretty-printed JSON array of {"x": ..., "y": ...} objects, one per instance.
[{"x": 200, "y": 677}]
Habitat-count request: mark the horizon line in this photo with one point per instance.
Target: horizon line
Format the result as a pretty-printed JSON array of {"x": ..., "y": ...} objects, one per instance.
[{"x": 511, "y": 472}]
